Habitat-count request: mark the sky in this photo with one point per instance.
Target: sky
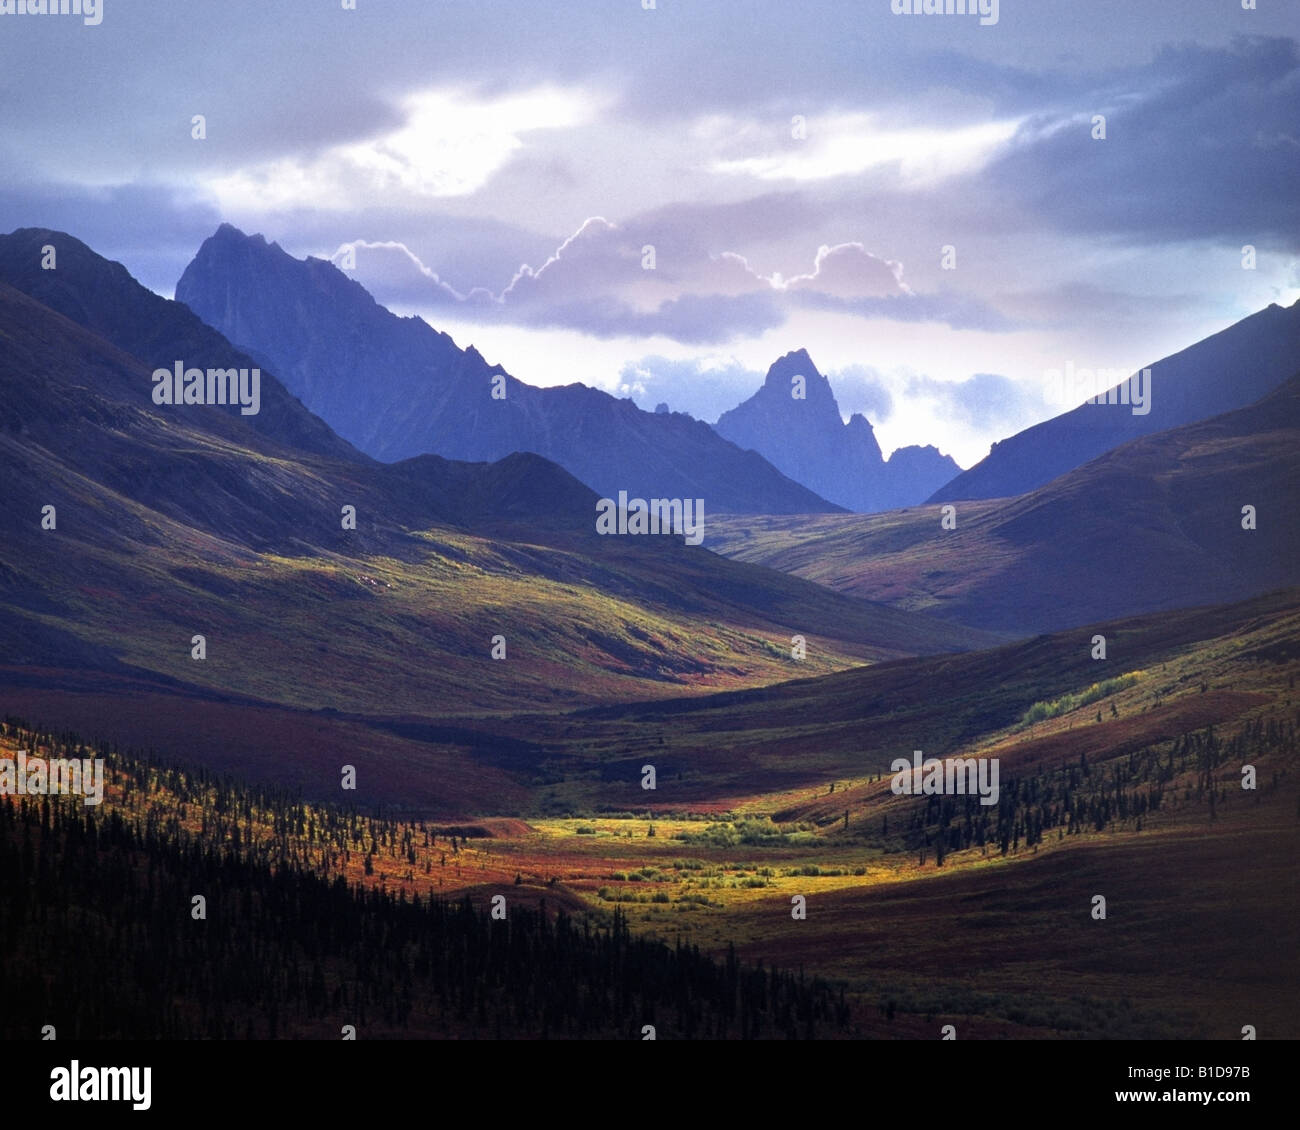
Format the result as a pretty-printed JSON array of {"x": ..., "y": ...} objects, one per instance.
[{"x": 661, "y": 201}]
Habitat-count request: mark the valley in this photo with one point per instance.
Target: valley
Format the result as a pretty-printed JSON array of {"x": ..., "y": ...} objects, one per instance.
[
  {"x": 440, "y": 699},
  {"x": 764, "y": 798}
]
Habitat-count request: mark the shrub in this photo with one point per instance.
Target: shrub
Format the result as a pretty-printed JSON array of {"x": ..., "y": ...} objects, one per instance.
[{"x": 1067, "y": 702}]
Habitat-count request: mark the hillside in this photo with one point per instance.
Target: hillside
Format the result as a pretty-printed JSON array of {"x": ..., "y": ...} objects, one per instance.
[
  {"x": 463, "y": 972},
  {"x": 171, "y": 522},
  {"x": 721, "y": 748},
  {"x": 1156, "y": 523},
  {"x": 1113, "y": 774},
  {"x": 1226, "y": 371}
]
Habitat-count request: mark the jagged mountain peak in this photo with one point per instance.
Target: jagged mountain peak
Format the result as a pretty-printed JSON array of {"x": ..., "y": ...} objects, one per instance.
[
  {"x": 229, "y": 233},
  {"x": 798, "y": 427},
  {"x": 398, "y": 388},
  {"x": 796, "y": 361},
  {"x": 101, "y": 296},
  {"x": 816, "y": 388}
]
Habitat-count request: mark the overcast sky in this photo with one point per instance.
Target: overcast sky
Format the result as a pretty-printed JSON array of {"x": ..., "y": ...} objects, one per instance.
[{"x": 797, "y": 169}]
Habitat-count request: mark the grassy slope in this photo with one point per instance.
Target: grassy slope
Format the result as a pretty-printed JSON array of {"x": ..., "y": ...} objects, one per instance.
[
  {"x": 183, "y": 522},
  {"x": 1202, "y": 930},
  {"x": 722, "y": 748}
]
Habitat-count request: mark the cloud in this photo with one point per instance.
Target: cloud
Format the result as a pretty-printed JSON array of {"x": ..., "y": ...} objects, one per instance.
[
  {"x": 849, "y": 144},
  {"x": 394, "y": 270},
  {"x": 449, "y": 143},
  {"x": 862, "y": 389},
  {"x": 985, "y": 401},
  {"x": 693, "y": 319},
  {"x": 850, "y": 271},
  {"x": 641, "y": 279},
  {"x": 597, "y": 256},
  {"x": 955, "y": 310},
  {"x": 702, "y": 387},
  {"x": 1202, "y": 145}
]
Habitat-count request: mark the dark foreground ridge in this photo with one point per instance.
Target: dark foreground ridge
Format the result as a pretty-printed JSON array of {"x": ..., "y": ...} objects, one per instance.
[{"x": 286, "y": 949}]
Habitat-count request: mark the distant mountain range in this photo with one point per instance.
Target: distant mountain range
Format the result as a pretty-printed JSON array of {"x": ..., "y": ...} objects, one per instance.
[
  {"x": 177, "y": 520},
  {"x": 1155, "y": 524},
  {"x": 793, "y": 420},
  {"x": 1228, "y": 370},
  {"x": 196, "y": 497},
  {"x": 397, "y": 388}
]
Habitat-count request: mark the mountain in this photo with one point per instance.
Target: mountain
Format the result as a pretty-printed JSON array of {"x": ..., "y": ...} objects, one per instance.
[
  {"x": 175, "y": 521},
  {"x": 397, "y": 388},
  {"x": 1227, "y": 370},
  {"x": 101, "y": 296},
  {"x": 1154, "y": 524},
  {"x": 805, "y": 437},
  {"x": 986, "y": 694}
]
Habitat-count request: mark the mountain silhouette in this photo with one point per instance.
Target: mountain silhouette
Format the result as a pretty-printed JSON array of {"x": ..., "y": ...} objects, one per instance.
[
  {"x": 794, "y": 421},
  {"x": 1228, "y": 370},
  {"x": 396, "y": 388},
  {"x": 1158, "y": 523},
  {"x": 130, "y": 527}
]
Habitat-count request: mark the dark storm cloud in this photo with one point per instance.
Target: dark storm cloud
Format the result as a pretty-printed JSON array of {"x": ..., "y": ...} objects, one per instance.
[
  {"x": 1205, "y": 144},
  {"x": 150, "y": 229},
  {"x": 599, "y": 282}
]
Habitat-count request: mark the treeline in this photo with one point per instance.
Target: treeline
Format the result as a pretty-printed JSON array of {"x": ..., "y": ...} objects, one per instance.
[
  {"x": 270, "y": 823},
  {"x": 101, "y": 938},
  {"x": 1124, "y": 790}
]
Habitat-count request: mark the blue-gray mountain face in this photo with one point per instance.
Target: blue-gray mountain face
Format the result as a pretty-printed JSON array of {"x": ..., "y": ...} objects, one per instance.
[
  {"x": 794, "y": 422},
  {"x": 396, "y": 388},
  {"x": 101, "y": 296},
  {"x": 80, "y": 420},
  {"x": 1229, "y": 370}
]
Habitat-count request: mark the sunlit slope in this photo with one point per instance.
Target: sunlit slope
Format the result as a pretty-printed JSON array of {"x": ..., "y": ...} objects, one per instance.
[
  {"x": 925, "y": 911},
  {"x": 1164, "y": 673},
  {"x": 171, "y": 523}
]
